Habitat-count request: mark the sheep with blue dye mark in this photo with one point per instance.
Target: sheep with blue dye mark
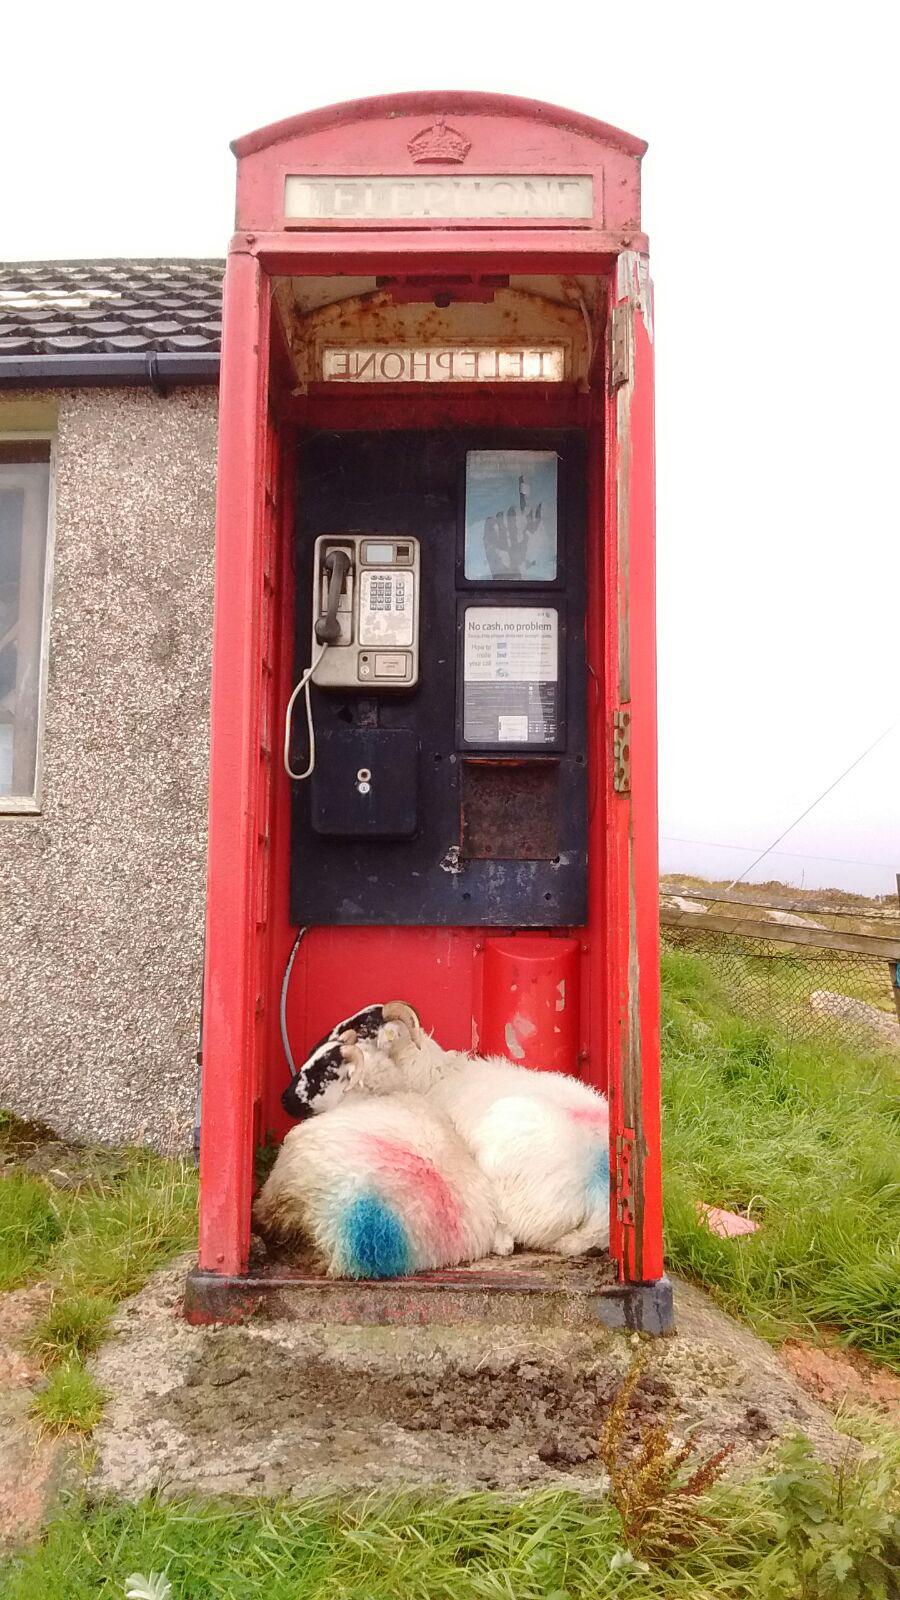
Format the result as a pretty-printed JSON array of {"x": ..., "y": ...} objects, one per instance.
[
  {"x": 381, "y": 1187},
  {"x": 541, "y": 1138}
]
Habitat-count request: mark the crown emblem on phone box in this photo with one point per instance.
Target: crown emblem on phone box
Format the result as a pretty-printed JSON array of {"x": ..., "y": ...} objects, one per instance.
[{"x": 439, "y": 143}]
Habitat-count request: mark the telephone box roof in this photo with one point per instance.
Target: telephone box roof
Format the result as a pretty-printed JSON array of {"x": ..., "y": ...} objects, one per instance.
[{"x": 429, "y": 103}]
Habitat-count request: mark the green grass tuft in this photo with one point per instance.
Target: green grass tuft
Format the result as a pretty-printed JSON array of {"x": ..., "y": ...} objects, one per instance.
[
  {"x": 123, "y": 1232},
  {"x": 31, "y": 1223},
  {"x": 806, "y": 1139},
  {"x": 71, "y": 1401},
  {"x": 74, "y": 1326}
]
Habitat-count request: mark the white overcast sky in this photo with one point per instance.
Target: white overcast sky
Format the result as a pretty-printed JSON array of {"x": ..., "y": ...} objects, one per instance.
[{"x": 770, "y": 197}]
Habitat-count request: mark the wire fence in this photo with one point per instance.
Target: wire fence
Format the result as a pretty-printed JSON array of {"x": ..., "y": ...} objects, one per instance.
[{"x": 805, "y": 991}]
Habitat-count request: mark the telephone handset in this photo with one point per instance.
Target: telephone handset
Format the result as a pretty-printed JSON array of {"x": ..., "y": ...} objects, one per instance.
[{"x": 365, "y": 632}]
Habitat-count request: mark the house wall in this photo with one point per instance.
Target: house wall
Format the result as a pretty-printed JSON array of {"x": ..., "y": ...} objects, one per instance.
[{"x": 102, "y": 894}]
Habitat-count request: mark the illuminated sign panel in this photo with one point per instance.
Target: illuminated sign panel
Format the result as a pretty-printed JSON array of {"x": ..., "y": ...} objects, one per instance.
[
  {"x": 499, "y": 196},
  {"x": 443, "y": 364}
]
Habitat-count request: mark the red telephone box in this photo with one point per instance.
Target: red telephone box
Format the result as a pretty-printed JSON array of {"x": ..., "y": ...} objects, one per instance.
[{"x": 436, "y": 440}]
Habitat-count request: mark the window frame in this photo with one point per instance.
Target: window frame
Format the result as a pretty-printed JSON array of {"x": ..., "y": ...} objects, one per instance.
[{"x": 32, "y": 805}]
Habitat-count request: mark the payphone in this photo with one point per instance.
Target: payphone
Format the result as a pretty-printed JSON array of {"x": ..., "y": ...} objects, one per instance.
[
  {"x": 366, "y": 628},
  {"x": 368, "y": 612}
]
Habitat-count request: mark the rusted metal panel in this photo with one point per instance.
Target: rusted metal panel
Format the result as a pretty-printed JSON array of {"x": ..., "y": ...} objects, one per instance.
[
  {"x": 582, "y": 1296},
  {"x": 510, "y": 810},
  {"x": 622, "y": 750},
  {"x": 537, "y": 334},
  {"x": 621, "y": 349}
]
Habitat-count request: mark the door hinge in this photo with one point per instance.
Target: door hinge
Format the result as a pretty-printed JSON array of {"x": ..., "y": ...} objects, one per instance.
[
  {"x": 622, "y": 751},
  {"x": 620, "y": 346},
  {"x": 624, "y": 1149}
]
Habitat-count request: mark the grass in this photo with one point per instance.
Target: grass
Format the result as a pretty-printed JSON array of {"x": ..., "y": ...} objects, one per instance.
[
  {"x": 73, "y": 1326},
  {"x": 545, "y": 1547},
  {"x": 96, "y": 1244},
  {"x": 70, "y": 1401},
  {"x": 801, "y": 1530},
  {"x": 803, "y": 1137},
  {"x": 31, "y": 1223},
  {"x": 121, "y": 1232}
]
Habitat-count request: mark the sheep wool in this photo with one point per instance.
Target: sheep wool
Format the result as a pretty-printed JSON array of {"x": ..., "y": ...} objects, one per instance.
[
  {"x": 542, "y": 1138},
  {"x": 381, "y": 1188}
]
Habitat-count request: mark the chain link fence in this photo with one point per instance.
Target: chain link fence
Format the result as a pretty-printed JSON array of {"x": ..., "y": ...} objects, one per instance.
[{"x": 805, "y": 991}]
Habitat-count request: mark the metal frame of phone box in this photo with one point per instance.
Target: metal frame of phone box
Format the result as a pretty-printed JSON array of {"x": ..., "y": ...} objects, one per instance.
[{"x": 249, "y": 936}]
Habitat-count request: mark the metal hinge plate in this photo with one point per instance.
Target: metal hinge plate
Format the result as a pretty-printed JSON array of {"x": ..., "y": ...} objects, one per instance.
[
  {"x": 622, "y": 751},
  {"x": 620, "y": 347},
  {"x": 624, "y": 1148}
]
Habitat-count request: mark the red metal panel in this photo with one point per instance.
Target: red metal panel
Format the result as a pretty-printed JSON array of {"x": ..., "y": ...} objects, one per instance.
[
  {"x": 230, "y": 1053},
  {"x": 420, "y": 104},
  {"x": 442, "y": 250},
  {"x": 596, "y": 991},
  {"x": 531, "y": 1004},
  {"x": 339, "y": 970}
]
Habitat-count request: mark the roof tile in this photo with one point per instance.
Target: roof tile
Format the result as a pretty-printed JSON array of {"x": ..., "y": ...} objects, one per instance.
[{"x": 52, "y": 307}]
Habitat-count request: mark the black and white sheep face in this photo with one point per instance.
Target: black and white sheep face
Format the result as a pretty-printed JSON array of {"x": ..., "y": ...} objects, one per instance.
[
  {"x": 328, "y": 1071},
  {"x": 324, "y": 1076},
  {"x": 363, "y": 1025},
  {"x": 323, "y": 1079}
]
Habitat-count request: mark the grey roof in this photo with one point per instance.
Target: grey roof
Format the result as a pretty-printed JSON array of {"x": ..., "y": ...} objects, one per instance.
[{"x": 89, "y": 308}]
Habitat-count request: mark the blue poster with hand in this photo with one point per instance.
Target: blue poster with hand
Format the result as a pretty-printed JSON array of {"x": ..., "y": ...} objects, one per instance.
[{"x": 511, "y": 524}]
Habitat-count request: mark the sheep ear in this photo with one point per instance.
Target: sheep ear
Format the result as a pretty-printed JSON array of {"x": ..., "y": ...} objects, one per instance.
[{"x": 399, "y": 1011}]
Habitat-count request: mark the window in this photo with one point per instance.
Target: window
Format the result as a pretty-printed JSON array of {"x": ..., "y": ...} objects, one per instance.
[{"x": 24, "y": 573}]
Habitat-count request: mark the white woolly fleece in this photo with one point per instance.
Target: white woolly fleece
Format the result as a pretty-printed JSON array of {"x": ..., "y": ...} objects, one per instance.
[
  {"x": 381, "y": 1187},
  {"x": 541, "y": 1137}
]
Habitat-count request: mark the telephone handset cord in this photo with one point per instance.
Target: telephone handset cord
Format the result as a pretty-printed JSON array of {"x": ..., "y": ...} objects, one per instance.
[{"x": 302, "y": 688}]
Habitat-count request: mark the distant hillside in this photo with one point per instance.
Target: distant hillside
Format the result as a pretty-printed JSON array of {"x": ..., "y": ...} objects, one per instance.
[{"x": 831, "y": 908}]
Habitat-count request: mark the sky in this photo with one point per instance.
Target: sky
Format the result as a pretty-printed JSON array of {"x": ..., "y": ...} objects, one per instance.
[{"x": 770, "y": 198}]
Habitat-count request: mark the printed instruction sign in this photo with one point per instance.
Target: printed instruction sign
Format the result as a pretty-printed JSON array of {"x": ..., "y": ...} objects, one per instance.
[{"x": 510, "y": 675}]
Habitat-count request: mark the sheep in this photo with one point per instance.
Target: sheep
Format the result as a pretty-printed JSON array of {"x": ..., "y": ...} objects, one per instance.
[
  {"x": 381, "y": 1187},
  {"x": 540, "y": 1137}
]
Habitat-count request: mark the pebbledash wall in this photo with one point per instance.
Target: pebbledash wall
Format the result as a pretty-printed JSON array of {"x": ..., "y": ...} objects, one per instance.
[{"x": 102, "y": 893}]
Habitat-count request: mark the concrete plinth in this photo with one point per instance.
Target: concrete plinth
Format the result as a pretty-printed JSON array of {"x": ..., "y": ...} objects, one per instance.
[{"x": 275, "y": 1405}]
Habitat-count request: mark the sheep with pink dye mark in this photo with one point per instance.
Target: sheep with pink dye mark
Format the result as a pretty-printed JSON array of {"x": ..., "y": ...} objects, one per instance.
[
  {"x": 381, "y": 1188},
  {"x": 540, "y": 1138}
]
